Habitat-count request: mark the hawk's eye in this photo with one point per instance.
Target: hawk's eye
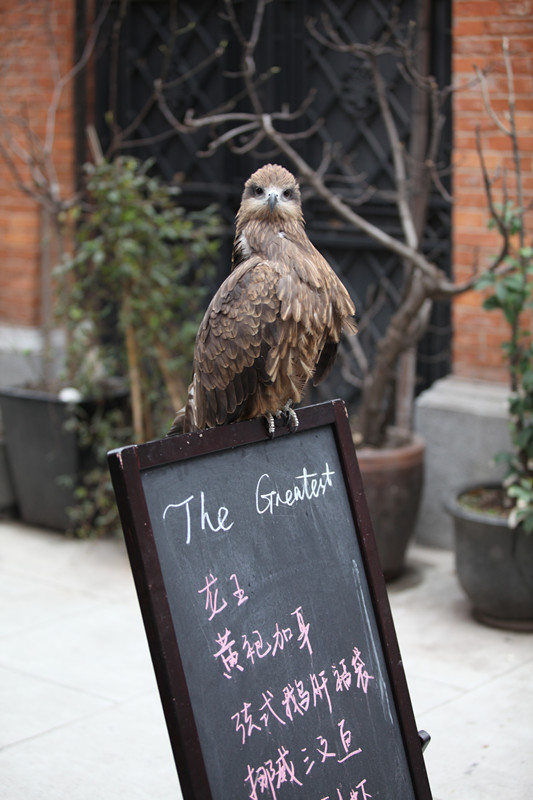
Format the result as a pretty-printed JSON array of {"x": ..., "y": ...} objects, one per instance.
[
  {"x": 287, "y": 194},
  {"x": 258, "y": 191}
]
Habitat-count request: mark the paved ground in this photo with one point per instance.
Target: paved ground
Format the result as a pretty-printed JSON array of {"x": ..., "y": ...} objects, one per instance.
[{"x": 80, "y": 717}]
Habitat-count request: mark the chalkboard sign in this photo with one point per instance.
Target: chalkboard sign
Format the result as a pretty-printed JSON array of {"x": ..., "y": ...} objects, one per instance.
[{"x": 267, "y": 615}]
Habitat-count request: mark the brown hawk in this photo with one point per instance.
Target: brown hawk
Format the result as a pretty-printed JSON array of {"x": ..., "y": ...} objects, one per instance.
[{"x": 275, "y": 323}]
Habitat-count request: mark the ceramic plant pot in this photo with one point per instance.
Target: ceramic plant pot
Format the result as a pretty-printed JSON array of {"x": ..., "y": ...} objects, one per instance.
[{"x": 494, "y": 565}]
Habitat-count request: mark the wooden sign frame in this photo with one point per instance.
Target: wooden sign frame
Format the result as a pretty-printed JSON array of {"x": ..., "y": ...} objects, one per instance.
[{"x": 127, "y": 466}]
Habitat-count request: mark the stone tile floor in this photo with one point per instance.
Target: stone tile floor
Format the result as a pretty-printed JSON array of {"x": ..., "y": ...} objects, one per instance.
[{"x": 80, "y": 716}]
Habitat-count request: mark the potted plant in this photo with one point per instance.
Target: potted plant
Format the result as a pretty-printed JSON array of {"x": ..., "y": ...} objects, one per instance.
[
  {"x": 122, "y": 303},
  {"x": 493, "y": 523},
  {"x": 132, "y": 290},
  {"x": 37, "y": 420}
]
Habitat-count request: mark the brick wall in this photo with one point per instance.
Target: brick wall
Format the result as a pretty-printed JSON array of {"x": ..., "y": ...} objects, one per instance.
[
  {"x": 36, "y": 42},
  {"x": 478, "y": 28}
]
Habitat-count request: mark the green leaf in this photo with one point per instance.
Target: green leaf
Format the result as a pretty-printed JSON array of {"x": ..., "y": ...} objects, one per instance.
[{"x": 492, "y": 302}]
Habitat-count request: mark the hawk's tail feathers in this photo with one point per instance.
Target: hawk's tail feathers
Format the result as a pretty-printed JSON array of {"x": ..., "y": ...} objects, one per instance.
[
  {"x": 184, "y": 419},
  {"x": 177, "y": 425},
  {"x": 349, "y": 325}
]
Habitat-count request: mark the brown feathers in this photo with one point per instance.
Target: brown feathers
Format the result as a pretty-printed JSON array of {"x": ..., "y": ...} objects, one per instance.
[{"x": 275, "y": 322}]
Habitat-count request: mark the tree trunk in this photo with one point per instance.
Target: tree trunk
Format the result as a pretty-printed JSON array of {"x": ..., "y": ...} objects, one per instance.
[
  {"x": 420, "y": 180},
  {"x": 46, "y": 297},
  {"x": 134, "y": 373},
  {"x": 372, "y": 412}
]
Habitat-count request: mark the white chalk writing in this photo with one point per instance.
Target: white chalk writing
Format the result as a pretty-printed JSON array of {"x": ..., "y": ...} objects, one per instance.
[
  {"x": 309, "y": 487},
  {"x": 205, "y": 518}
]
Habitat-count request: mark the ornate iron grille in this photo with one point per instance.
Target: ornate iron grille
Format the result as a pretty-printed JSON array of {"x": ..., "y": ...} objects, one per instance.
[{"x": 344, "y": 100}]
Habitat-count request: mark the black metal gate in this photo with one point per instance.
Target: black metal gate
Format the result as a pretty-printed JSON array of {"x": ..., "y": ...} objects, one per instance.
[{"x": 344, "y": 100}]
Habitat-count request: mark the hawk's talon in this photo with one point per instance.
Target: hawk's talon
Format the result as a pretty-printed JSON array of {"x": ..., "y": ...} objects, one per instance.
[
  {"x": 271, "y": 425},
  {"x": 292, "y": 419},
  {"x": 289, "y": 415}
]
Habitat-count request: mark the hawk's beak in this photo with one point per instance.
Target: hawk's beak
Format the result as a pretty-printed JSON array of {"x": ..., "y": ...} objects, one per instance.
[{"x": 272, "y": 200}]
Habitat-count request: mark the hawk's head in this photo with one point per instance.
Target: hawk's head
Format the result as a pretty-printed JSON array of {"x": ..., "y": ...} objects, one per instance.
[{"x": 271, "y": 192}]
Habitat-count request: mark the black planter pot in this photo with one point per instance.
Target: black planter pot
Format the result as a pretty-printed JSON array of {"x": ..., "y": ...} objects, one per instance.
[
  {"x": 42, "y": 449},
  {"x": 494, "y": 565}
]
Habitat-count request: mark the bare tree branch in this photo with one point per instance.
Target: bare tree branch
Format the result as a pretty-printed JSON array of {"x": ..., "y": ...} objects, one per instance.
[
  {"x": 37, "y": 154},
  {"x": 66, "y": 79}
]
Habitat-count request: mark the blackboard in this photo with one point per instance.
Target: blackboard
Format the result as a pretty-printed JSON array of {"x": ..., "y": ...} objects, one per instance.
[{"x": 267, "y": 614}]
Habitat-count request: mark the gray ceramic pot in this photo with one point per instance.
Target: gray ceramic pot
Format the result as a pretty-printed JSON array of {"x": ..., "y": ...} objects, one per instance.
[{"x": 494, "y": 565}]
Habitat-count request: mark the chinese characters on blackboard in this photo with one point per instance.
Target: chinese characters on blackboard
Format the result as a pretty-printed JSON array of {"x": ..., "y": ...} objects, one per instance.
[{"x": 294, "y": 700}]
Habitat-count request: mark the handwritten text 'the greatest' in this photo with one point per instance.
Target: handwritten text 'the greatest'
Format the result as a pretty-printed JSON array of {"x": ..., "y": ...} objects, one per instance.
[{"x": 309, "y": 486}]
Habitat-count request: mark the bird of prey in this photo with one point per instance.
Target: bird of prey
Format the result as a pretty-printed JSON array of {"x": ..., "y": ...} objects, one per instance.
[{"x": 275, "y": 322}]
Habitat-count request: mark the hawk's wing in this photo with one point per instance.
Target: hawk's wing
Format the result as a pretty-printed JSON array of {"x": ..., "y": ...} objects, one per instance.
[{"x": 232, "y": 344}]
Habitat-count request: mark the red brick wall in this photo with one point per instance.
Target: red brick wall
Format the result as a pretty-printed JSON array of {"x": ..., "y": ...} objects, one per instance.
[
  {"x": 32, "y": 34},
  {"x": 478, "y": 28}
]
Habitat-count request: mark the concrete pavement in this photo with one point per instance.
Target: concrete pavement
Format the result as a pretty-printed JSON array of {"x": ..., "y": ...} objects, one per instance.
[{"x": 80, "y": 715}]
